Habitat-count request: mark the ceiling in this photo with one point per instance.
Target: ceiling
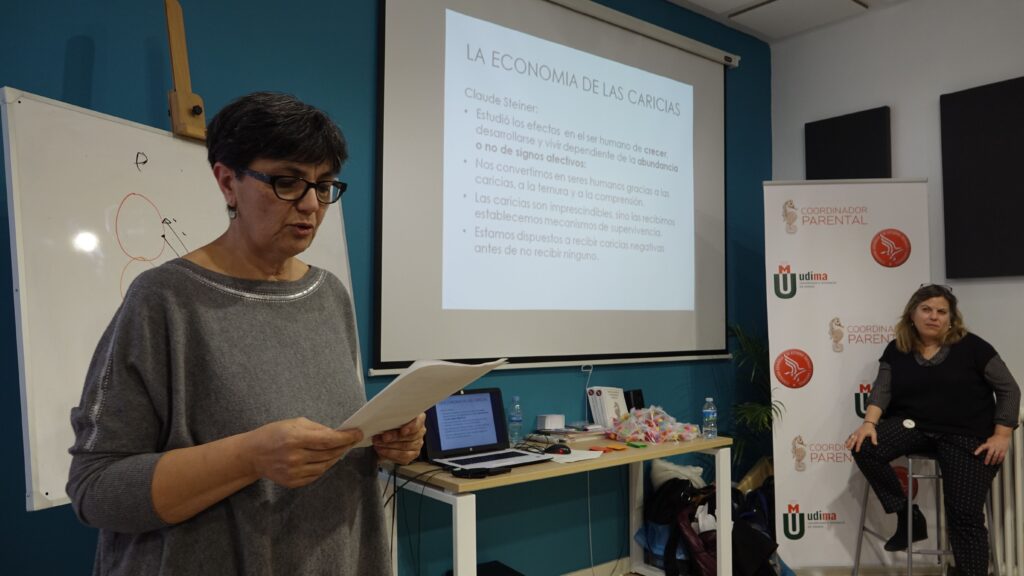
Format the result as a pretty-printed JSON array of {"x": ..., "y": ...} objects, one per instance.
[{"x": 772, "y": 20}]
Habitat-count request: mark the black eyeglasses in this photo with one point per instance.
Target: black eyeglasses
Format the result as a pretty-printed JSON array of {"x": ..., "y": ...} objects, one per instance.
[{"x": 293, "y": 188}]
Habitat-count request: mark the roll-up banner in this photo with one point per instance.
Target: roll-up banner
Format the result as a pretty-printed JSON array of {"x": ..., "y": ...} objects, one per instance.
[{"x": 841, "y": 260}]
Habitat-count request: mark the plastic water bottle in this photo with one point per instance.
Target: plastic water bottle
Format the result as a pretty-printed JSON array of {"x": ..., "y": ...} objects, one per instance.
[
  {"x": 515, "y": 422},
  {"x": 710, "y": 412}
]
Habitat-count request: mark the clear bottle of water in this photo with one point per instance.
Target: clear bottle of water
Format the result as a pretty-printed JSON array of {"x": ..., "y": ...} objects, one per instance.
[
  {"x": 515, "y": 422},
  {"x": 710, "y": 424}
]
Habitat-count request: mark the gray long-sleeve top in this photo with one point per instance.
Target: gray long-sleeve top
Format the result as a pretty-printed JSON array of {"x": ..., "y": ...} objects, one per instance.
[{"x": 193, "y": 356}]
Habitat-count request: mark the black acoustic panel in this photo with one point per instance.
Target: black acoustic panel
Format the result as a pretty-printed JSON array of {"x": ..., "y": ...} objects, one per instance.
[
  {"x": 848, "y": 147},
  {"x": 983, "y": 179}
]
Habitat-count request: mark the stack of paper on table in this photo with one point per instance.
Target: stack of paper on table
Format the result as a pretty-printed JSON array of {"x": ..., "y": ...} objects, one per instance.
[
  {"x": 567, "y": 435},
  {"x": 576, "y": 456}
]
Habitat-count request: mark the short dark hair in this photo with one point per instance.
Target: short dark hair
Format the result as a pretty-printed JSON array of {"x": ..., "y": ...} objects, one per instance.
[{"x": 274, "y": 126}]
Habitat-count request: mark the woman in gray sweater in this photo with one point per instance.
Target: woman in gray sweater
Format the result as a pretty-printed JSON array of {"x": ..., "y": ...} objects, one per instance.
[{"x": 206, "y": 438}]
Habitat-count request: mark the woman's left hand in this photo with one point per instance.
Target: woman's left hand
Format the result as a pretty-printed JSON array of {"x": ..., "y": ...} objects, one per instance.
[
  {"x": 402, "y": 445},
  {"x": 996, "y": 447}
]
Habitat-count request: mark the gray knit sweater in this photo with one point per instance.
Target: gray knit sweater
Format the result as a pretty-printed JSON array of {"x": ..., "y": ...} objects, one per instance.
[{"x": 193, "y": 356}]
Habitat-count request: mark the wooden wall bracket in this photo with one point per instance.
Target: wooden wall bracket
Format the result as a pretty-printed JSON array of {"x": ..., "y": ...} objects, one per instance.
[{"x": 188, "y": 116}]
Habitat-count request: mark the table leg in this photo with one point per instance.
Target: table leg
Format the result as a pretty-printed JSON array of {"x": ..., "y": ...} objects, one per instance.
[
  {"x": 464, "y": 538},
  {"x": 636, "y": 512},
  {"x": 463, "y": 527},
  {"x": 723, "y": 508}
]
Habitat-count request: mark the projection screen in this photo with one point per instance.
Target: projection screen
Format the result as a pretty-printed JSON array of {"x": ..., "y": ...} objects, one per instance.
[{"x": 552, "y": 186}]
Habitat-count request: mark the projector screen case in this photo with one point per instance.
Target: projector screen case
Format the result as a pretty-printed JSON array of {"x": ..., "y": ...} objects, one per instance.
[{"x": 567, "y": 202}]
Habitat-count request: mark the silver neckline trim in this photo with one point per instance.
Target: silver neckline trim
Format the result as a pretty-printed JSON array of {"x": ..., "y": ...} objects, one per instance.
[{"x": 258, "y": 296}]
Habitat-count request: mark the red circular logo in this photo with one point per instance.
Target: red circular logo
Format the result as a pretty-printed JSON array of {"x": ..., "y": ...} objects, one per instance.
[
  {"x": 794, "y": 368},
  {"x": 890, "y": 248},
  {"x": 901, "y": 474}
]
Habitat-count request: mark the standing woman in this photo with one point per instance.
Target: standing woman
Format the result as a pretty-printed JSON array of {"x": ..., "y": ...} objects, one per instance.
[
  {"x": 944, "y": 390},
  {"x": 206, "y": 438}
]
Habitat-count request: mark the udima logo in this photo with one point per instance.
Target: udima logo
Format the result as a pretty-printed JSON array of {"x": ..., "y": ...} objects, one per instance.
[
  {"x": 785, "y": 282},
  {"x": 793, "y": 524},
  {"x": 793, "y": 368},
  {"x": 860, "y": 400},
  {"x": 890, "y": 248}
]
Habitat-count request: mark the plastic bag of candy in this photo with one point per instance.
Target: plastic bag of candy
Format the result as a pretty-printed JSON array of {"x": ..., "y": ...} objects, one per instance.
[{"x": 652, "y": 425}]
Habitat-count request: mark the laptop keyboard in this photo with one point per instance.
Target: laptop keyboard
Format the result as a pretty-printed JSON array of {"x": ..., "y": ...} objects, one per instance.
[{"x": 486, "y": 458}]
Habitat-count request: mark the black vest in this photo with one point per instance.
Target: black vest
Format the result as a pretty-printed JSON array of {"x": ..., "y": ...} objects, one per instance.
[{"x": 951, "y": 396}]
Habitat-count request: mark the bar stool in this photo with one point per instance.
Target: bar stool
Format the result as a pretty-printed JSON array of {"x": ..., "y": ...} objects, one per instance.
[{"x": 941, "y": 549}]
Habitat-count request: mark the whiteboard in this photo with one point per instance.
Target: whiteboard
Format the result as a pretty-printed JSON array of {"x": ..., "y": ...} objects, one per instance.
[{"x": 146, "y": 196}]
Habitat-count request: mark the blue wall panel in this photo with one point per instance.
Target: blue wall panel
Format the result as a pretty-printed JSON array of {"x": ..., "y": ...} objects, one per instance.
[{"x": 112, "y": 56}]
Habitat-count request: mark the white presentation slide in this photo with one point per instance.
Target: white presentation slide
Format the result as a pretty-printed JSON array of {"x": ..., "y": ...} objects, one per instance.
[
  {"x": 567, "y": 181},
  {"x": 552, "y": 185}
]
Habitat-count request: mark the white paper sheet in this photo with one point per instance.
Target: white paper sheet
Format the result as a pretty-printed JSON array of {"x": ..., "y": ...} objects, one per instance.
[
  {"x": 577, "y": 455},
  {"x": 422, "y": 385}
]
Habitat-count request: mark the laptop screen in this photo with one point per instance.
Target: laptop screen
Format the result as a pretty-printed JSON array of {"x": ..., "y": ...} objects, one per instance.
[{"x": 468, "y": 422}]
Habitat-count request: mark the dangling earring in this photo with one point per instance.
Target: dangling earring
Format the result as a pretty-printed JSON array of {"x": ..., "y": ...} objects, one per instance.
[{"x": 232, "y": 212}]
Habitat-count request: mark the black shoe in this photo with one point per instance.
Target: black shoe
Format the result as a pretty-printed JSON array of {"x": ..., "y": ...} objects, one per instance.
[{"x": 899, "y": 539}]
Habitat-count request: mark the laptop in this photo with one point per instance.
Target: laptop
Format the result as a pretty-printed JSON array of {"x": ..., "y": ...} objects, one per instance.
[{"x": 467, "y": 430}]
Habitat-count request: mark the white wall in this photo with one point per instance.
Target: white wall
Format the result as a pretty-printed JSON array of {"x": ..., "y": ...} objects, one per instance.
[{"x": 905, "y": 57}]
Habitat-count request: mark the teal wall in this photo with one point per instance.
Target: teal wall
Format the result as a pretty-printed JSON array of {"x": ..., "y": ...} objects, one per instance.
[{"x": 111, "y": 56}]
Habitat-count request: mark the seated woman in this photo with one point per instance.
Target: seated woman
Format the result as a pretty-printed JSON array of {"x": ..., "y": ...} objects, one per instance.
[{"x": 943, "y": 390}]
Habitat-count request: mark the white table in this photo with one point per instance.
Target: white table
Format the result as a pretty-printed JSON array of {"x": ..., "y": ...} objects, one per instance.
[{"x": 459, "y": 493}]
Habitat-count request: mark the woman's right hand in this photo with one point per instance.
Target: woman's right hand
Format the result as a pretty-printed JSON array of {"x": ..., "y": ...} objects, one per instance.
[
  {"x": 866, "y": 430},
  {"x": 296, "y": 452}
]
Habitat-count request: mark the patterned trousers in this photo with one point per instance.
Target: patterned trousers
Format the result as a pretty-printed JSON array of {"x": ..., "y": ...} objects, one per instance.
[{"x": 966, "y": 482}]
